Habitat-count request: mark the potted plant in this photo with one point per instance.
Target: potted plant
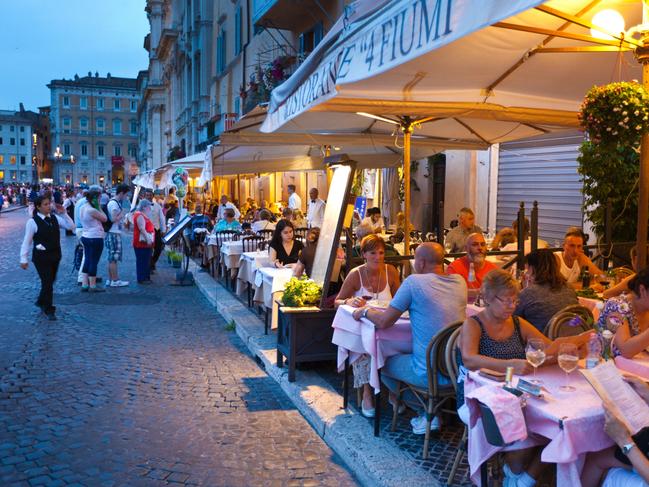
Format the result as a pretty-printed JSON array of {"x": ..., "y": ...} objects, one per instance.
[
  {"x": 304, "y": 330},
  {"x": 176, "y": 259}
]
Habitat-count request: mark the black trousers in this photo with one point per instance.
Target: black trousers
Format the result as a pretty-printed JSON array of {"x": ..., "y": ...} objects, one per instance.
[
  {"x": 157, "y": 248},
  {"x": 47, "y": 267}
]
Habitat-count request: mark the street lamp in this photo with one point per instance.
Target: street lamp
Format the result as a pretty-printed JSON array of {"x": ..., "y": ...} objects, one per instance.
[{"x": 58, "y": 156}]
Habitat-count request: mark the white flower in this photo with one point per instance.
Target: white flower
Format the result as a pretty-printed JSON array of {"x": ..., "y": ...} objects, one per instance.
[
  {"x": 620, "y": 124},
  {"x": 626, "y": 119},
  {"x": 624, "y": 112},
  {"x": 615, "y": 132},
  {"x": 636, "y": 113},
  {"x": 616, "y": 109},
  {"x": 624, "y": 307}
]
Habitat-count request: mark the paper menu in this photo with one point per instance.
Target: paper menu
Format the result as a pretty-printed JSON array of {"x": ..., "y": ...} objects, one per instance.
[{"x": 608, "y": 382}]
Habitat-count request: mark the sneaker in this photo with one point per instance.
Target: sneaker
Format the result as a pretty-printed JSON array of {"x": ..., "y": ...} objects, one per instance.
[
  {"x": 118, "y": 283},
  {"x": 108, "y": 283},
  {"x": 84, "y": 289},
  {"x": 96, "y": 289},
  {"x": 419, "y": 424}
]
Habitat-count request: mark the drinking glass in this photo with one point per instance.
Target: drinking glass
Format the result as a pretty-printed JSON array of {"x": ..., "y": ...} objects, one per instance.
[
  {"x": 535, "y": 353},
  {"x": 568, "y": 358}
]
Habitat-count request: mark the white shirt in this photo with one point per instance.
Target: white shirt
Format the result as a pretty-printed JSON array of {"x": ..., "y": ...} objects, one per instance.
[
  {"x": 315, "y": 213},
  {"x": 114, "y": 209},
  {"x": 262, "y": 225},
  {"x": 295, "y": 202},
  {"x": 158, "y": 217},
  {"x": 376, "y": 227},
  {"x": 64, "y": 220},
  {"x": 222, "y": 208},
  {"x": 571, "y": 274},
  {"x": 91, "y": 227}
]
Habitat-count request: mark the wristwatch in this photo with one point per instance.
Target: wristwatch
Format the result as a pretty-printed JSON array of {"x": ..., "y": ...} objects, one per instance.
[
  {"x": 364, "y": 313},
  {"x": 627, "y": 448}
]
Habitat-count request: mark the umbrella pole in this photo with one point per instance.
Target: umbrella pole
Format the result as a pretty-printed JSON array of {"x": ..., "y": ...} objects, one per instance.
[
  {"x": 406, "y": 126},
  {"x": 642, "y": 55}
]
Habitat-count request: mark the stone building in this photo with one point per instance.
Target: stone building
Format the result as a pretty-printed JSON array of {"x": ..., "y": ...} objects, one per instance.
[{"x": 94, "y": 127}]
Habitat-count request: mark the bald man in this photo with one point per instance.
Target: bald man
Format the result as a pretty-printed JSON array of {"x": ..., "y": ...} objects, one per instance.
[
  {"x": 476, "y": 254},
  {"x": 434, "y": 300}
]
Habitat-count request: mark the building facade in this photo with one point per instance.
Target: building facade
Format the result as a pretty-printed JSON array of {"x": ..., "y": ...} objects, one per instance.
[
  {"x": 23, "y": 145},
  {"x": 94, "y": 129}
]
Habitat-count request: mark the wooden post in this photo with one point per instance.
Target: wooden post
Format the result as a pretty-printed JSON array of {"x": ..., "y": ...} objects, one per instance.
[
  {"x": 406, "y": 126},
  {"x": 519, "y": 239},
  {"x": 534, "y": 226},
  {"x": 642, "y": 55}
]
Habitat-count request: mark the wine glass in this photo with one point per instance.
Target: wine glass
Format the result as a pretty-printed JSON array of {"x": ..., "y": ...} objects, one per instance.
[
  {"x": 535, "y": 354},
  {"x": 568, "y": 358}
]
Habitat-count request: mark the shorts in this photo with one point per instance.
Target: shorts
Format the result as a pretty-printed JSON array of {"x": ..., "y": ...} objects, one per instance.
[{"x": 114, "y": 247}]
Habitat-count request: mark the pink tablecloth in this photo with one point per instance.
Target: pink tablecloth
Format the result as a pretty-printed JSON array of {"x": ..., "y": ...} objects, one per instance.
[
  {"x": 355, "y": 338},
  {"x": 572, "y": 423}
]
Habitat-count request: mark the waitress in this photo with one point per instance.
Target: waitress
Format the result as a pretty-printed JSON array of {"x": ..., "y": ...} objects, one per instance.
[{"x": 43, "y": 235}]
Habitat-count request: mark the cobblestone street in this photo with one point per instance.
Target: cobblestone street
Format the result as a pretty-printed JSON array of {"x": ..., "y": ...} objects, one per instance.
[{"x": 138, "y": 386}]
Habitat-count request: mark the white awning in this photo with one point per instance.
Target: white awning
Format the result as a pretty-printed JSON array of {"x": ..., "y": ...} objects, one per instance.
[{"x": 482, "y": 70}]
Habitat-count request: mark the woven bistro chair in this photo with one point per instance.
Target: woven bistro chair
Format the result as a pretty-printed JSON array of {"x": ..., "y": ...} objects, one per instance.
[
  {"x": 622, "y": 273},
  {"x": 569, "y": 321},
  {"x": 434, "y": 397},
  {"x": 301, "y": 233},
  {"x": 451, "y": 360}
]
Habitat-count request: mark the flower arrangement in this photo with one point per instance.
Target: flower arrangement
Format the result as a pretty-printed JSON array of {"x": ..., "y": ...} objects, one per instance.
[
  {"x": 616, "y": 113},
  {"x": 301, "y": 291}
]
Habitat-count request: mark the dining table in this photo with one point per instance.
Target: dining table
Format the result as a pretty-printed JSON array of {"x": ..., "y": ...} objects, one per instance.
[
  {"x": 230, "y": 256},
  {"x": 269, "y": 287},
  {"x": 249, "y": 264}
]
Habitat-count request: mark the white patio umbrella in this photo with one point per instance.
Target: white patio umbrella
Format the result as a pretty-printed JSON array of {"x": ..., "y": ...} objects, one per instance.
[{"x": 482, "y": 70}]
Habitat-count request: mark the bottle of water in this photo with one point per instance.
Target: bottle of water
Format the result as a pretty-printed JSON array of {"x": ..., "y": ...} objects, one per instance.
[
  {"x": 471, "y": 278},
  {"x": 594, "y": 351}
]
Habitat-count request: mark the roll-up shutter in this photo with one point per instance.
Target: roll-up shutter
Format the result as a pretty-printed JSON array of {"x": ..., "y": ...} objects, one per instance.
[{"x": 542, "y": 169}]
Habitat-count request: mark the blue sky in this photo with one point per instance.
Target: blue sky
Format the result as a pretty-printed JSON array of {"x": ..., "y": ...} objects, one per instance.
[{"x": 42, "y": 40}]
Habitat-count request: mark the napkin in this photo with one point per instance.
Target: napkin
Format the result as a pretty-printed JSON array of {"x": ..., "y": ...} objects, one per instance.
[{"x": 506, "y": 408}]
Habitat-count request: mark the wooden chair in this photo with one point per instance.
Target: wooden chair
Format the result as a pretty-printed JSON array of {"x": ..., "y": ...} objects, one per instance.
[
  {"x": 301, "y": 233},
  {"x": 451, "y": 360},
  {"x": 253, "y": 243},
  {"x": 221, "y": 237},
  {"x": 266, "y": 234},
  {"x": 569, "y": 321},
  {"x": 434, "y": 397}
]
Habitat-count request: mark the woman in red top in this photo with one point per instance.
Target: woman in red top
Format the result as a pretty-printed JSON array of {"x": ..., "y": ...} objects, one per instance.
[{"x": 143, "y": 239}]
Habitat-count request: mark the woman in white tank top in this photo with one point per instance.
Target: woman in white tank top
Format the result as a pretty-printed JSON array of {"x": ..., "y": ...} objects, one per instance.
[{"x": 372, "y": 281}]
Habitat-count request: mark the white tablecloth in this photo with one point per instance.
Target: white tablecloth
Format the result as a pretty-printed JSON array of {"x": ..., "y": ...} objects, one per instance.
[
  {"x": 249, "y": 263},
  {"x": 269, "y": 287}
]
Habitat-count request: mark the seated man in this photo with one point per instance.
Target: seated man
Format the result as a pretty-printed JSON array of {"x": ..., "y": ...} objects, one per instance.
[
  {"x": 572, "y": 259},
  {"x": 456, "y": 239},
  {"x": 434, "y": 300},
  {"x": 375, "y": 220},
  {"x": 199, "y": 221},
  {"x": 362, "y": 231},
  {"x": 527, "y": 239},
  {"x": 476, "y": 257},
  {"x": 228, "y": 222}
]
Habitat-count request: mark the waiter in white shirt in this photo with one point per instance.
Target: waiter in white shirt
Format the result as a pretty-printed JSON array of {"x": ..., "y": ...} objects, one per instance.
[
  {"x": 294, "y": 200},
  {"x": 316, "y": 211},
  {"x": 42, "y": 234},
  {"x": 225, "y": 204}
]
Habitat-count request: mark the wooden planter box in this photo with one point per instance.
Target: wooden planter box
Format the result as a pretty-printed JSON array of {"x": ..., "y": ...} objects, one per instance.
[{"x": 304, "y": 335}]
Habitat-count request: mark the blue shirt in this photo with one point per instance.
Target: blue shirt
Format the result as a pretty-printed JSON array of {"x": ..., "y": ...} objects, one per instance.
[
  {"x": 434, "y": 301},
  {"x": 223, "y": 225}
]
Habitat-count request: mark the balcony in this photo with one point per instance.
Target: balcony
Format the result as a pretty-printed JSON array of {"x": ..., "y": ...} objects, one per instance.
[
  {"x": 280, "y": 14},
  {"x": 167, "y": 38},
  {"x": 265, "y": 79}
]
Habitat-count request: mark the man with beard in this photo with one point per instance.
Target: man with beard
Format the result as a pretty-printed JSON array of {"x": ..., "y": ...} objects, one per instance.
[{"x": 476, "y": 258}]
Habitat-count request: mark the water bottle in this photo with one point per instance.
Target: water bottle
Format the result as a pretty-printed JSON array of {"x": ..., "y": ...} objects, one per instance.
[
  {"x": 594, "y": 351},
  {"x": 471, "y": 278}
]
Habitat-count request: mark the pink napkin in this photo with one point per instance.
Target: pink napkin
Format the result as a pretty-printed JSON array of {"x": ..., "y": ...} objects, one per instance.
[
  {"x": 636, "y": 367},
  {"x": 505, "y": 407}
]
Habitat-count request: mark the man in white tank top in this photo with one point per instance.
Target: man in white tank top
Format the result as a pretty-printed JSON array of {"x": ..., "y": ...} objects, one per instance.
[{"x": 572, "y": 259}]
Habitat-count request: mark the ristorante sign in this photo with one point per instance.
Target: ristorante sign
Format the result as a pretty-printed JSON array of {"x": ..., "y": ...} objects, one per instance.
[{"x": 401, "y": 32}]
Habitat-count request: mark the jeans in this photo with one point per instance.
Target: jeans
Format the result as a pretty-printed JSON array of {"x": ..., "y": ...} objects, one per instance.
[
  {"x": 143, "y": 263},
  {"x": 399, "y": 368},
  {"x": 92, "y": 249}
]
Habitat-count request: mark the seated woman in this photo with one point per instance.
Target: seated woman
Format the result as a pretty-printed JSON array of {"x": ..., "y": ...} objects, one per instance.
[
  {"x": 297, "y": 219},
  {"x": 623, "y": 285},
  {"x": 374, "y": 280},
  {"x": 505, "y": 236},
  {"x": 632, "y": 337},
  {"x": 496, "y": 339},
  {"x": 547, "y": 291},
  {"x": 263, "y": 223},
  {"x": 284, "y": 250},
  {"x": 228, "y": 222},
  {"x": 307, "y": 255},
  {"x": 628, "y": 470}
]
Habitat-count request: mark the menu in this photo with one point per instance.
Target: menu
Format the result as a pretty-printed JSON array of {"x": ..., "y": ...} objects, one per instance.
[{"x": 608, "y": 382}]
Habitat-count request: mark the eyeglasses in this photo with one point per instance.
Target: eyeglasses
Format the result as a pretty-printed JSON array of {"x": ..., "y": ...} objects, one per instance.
[{"x": 508, "y": 302}]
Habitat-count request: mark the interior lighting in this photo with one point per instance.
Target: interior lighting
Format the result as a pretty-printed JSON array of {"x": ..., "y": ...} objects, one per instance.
[
  {"x": 378, "y": 117},
  {"x": 607, "y": 20}
]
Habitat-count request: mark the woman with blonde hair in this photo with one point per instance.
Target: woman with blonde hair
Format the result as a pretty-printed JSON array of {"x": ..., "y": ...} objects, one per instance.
[{"x": 373, "y": 281}]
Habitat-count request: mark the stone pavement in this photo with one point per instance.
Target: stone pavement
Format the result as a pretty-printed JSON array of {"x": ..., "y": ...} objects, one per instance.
[{"x": 140, "y": 386}]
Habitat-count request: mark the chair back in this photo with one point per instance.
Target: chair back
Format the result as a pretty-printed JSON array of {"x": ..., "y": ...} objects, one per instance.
[
  {"x": 435, "y": 356},
  {"x": 491, "y": 430},
  {"x": 621, "y": 273},
  {"x": 225, "y": 236},
  {"x": 570, "y": 321},
  {"x": 266, "y": 234},
  {"x": 253, "y": 243},
  {"x": 450, "y": 356},
  {"x": 301, "y": 233}
]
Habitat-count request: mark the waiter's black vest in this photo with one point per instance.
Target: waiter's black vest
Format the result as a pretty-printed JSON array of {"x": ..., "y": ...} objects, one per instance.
[{"x": 49, "y": 236}]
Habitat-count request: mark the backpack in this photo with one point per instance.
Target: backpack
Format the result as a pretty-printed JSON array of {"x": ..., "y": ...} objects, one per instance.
[{"x": 108, "y": 223}]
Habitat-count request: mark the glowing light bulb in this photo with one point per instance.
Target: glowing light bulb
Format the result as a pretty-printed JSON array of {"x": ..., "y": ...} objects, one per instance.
[{"x": 608, "y": 20}]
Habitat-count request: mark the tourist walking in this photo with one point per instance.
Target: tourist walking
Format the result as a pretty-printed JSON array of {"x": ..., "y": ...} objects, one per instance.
[
  {"x": 92, "y": 238},
  {"x": 143, "y": 241},
  {"x": 116, "y": 212},
  {"x": 42, "y": 234}
]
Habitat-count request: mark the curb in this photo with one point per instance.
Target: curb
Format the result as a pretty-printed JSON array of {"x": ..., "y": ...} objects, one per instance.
[
  {"x": 12, "y": 209},
  {"x": 373, "y": 461}
]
